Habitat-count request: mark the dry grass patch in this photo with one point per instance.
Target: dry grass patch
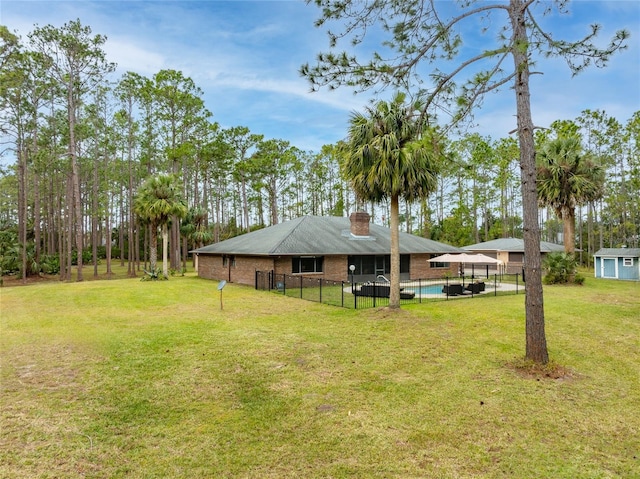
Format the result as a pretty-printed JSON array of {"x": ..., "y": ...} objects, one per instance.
[{"x": 531, "y": 370}]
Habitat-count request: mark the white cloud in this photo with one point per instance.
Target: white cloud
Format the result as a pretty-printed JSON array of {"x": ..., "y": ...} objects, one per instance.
[
  {"x": 132, "y": 57},
  {"x": 341, "y": 100}
]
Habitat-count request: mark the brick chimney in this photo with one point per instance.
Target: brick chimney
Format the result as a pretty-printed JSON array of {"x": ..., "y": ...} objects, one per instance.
[{"x": 359, "y": 223}]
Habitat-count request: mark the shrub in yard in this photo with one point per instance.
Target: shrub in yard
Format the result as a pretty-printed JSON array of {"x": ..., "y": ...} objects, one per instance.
[
  {"x": 50, "y": 264},
  {"x": 561, "y": 268}
]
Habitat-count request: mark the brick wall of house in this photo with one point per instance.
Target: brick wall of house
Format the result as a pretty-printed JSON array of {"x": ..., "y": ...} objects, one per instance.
[
  {"x": 282, "y": 265},
  {"x": 422, "y": 269},
  {"x": 242, "y": 271},
  {"x": 210, "y": 267},
  {"x": 336, "y": 268}
]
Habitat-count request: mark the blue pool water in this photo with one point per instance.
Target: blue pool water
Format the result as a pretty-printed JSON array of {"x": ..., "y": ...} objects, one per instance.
[{"x": 431, "y": 289}]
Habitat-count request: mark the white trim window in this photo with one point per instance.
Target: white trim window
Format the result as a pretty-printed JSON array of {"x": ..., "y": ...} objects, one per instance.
[{"x": 627, "y": 261}]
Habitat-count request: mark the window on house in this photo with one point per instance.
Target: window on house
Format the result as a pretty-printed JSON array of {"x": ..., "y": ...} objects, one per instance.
[
  {"x": 438, "y": 264},
  {"x": 627, "y": 261},
  {"x": 370, "y": 264},
  {"x": 405, "y": 264},
  {"x": 367, "y": 265},
  {"x": 307, "y": 264},
  {"x": 516, "y": 257}
]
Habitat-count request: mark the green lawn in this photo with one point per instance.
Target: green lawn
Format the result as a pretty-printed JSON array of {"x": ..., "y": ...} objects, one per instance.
[{"x": 135, "y": 379}]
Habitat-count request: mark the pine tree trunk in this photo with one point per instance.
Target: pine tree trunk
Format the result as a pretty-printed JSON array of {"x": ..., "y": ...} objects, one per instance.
[
  {"x": 37, "y": 233},
  {"x": 94, "y": 220},
  {"x": 245, "y": 204},
  {"x": 536, "y": 343},
  {"x": 75, "y": 178},
  {"x": 69, "y": 228},
  {"x": 22, "y": 208}
]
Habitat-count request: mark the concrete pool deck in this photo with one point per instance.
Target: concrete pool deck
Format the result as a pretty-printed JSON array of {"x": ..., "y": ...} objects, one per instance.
[{"x": 490, "y": 288}]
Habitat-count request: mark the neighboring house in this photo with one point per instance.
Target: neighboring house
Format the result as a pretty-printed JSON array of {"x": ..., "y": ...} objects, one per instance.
[
  {"x": 511, "y": 251},
  {"x": 617, "y": 263},
  {"x": 322, "y": 247}
]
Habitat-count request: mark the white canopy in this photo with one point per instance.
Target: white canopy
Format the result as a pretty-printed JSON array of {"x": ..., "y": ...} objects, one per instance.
[{"x": 465, "y": 258}]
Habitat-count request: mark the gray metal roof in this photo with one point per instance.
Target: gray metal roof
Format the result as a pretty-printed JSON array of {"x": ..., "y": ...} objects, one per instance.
[
  {"x": 628, "y": 252},
  {"x": 322, "y": 235},
  {"x": 512, "y": 245}
]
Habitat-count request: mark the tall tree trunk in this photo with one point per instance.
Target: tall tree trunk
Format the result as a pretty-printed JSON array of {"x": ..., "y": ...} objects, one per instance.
[
  {"x": 394, "y": 216},
  {"x": 185, "y": 252},
  {"x": 94, "y": 220},
  {"x": 474, "y": 199},
  {"x": 22, "y": 207},
  {"x": 590, "y": 246},
  {"x": 53, "y": 212},
  {"x": 136, "y": 257},
  {"x": 61, "y": 225},
  {"x": 75, "y": 179},
  {"x": 175, "y": 243},
  {"x": 165, "y": 248},
  {"x": 569, "y": 229},
  {"x": 108, "y": 235},
  {"x": 131, "y": 272},
  {"x": 245, "y": 203},
  {"x": 273, "y": 202},
  {"x": 153, "y": 249},
  {"x": 37, "y": 232},
  {"x": 602, "y": 226},
  {"x": 36, "y": 197},
  {"x": 121, "y": 209},
  {"x": 536, "y": 342},
  {"x": 69, "y": 228}
]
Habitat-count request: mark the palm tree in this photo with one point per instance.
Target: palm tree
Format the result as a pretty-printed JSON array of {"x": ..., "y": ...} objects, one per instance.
[
  {"x": 390, "y": 154},
  {"x": 567, "y": 178},
  {"x": 194, "y": 229},
  {"x": 157, "y": 200}
]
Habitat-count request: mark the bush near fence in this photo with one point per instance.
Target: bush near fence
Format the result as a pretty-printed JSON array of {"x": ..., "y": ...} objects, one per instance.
[{"x": 339, "y": 293}]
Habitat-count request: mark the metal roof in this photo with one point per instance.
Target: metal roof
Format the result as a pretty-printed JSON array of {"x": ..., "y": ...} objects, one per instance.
[
  {"x": 628, "y": 252},
  {"x": 512, "y": 245},
  {"x": 322, "y": 235}
]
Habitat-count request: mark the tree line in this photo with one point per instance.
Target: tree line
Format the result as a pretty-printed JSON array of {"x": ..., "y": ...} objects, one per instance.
[{"x": 81, "y": 143}]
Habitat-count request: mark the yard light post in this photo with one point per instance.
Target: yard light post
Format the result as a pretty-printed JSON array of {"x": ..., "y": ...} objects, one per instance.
[{"x": 352, "y": 268}]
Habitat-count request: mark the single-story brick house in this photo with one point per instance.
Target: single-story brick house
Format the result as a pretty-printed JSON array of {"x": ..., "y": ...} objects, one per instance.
[
  {"x": 322, "y": 247},
  {"x": 617, "y": 263},
  {"x": 511, "y": 251}
]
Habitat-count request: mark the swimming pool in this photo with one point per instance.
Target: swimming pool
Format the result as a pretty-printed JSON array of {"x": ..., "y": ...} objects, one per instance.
[{"x": 430, "y": 289}]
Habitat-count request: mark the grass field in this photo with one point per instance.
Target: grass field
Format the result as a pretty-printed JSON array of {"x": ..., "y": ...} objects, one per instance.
[{"x": 172, "y": 379}]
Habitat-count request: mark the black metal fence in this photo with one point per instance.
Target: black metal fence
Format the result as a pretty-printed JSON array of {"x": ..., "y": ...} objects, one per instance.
[{"x": 376, "y": 294}]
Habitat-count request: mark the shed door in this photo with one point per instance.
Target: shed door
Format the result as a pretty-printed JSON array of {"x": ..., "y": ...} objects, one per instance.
[{"x": 608, "y": 268}]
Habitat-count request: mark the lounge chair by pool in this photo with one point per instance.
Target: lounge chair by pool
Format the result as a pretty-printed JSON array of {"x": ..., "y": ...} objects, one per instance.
[
  {"x": 452, "y": 289},
  {"x": 381, "y": 291},
  {"x": 475, "y": 288}
]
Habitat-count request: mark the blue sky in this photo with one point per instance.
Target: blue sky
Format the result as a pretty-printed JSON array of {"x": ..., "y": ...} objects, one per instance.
[{"x": 245, "y": 56}]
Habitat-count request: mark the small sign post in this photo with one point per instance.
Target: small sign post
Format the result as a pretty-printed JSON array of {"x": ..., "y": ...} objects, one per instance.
[{"x": 220, "y": 286}]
